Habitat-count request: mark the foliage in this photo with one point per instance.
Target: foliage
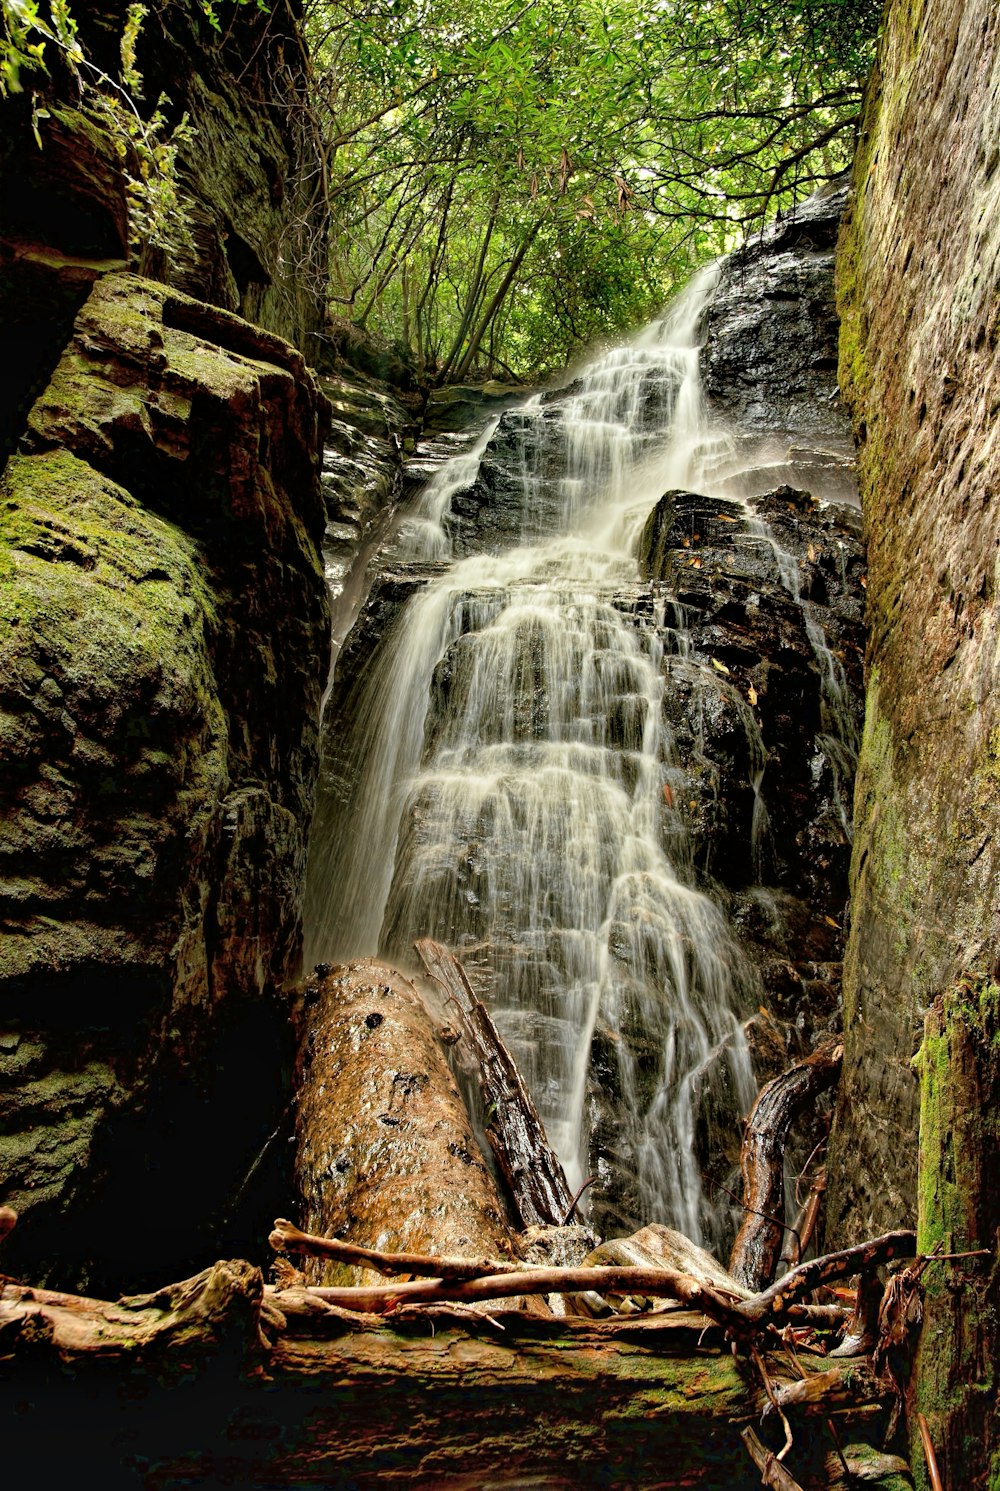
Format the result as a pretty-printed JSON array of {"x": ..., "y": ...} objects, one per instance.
[{"x": 511, "y": 180}]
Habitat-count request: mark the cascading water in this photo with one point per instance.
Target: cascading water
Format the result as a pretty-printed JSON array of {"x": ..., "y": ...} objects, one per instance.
[{"x": 512, "y": 780}]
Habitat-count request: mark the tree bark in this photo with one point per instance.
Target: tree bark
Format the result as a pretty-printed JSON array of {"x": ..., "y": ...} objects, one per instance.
[
  {"x": 538, "y": 1187},
  {"x": 385, "y": 1154},
  {"x": 758, "y": 1244}
]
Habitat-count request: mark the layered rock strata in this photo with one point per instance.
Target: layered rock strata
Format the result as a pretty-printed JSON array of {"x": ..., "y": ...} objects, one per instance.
[{"x": 165, "y": 630}]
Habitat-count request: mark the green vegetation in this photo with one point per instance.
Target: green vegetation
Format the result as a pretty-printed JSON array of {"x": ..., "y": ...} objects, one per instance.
[{"x": 509, "y": 182}]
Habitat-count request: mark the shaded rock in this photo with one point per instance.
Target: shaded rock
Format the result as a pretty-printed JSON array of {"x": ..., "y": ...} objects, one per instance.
[
  {"x": 770, "y": 358},
  {"x": 64, "y": 222},
  {"x": 386, "y": 1157},
  {"x": 765, "y": 697},
  {"x": 919, "y": 286},
  {"x": 166, "y": 622}
]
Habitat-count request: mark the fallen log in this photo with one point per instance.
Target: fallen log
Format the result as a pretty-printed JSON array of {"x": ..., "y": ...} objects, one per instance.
[
  {"x": 758, "y": 1243},
  {"x": 236, "y": 1383},
  {"x": 385, "y": 1151},
  {"x": 528, "y": 1163},
  {"x": 146, "y": 1397}
]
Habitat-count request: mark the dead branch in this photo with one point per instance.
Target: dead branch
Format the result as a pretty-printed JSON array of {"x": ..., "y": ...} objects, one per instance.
[
  {"x": 529, "y": 1164},
  {"x": 287, "y": 1238},
  {"x": 772, "y": 1472},
  {"x": 773, "y": 1302},
  {"x": 664, "y": 1283},
  {"x": 758, "y": 1244},
  {"x": 929, "y": 1455}
]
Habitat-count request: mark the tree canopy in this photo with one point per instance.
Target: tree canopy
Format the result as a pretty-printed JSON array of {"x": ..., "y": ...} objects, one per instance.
[{"x": 510, "y": 181}]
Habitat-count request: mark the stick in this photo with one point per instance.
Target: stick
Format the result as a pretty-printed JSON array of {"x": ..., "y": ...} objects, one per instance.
[
  {"x": 929, "y": 1455},
  {"x": 773, "y": 1302},
  {"x": 287, "y": 1238},
  {"x": 665, "y": 1283},
  {"x": 530, "y": 1166},
  {"x": 772, "y": 1472},
  {"x": 758, "y": 1243}
]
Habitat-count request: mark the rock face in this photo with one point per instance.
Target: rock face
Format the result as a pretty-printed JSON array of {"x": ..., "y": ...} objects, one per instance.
[
  {"x": 248, "y": 170},
  {"x": 245, "y": 173},
  {"x": 771, "y": 680},
  {"x": 919, "y": 290},
  {"x": 770, "y": 361},
  {"x": 165, "y": 630},
  {"x": 919, "y": 281}
]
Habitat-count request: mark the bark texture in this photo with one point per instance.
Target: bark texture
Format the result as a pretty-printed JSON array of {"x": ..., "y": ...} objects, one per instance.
[{"x": 386, "y": 1157}]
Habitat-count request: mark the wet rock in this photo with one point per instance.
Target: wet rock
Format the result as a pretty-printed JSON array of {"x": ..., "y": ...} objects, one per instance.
[
  {"x": 765, "y": 698},
  {"x": 386, "y": 1157},
  {"x": 165, "y": 621},
  {"x": 770, "y": 359}
]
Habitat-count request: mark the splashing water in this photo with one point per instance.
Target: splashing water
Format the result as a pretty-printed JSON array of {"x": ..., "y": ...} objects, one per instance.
[{"x": 511, "y": 777}]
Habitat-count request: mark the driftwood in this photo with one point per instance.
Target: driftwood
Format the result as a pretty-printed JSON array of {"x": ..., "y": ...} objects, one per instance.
[
  {"x": 780, "y": 1304},
  {"x": 528, "y": 1163},
  {"x": 287, "y": 1238},
  {"x": 758, "y": 1244}
]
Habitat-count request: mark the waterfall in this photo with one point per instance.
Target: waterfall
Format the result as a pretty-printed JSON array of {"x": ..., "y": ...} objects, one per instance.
[{"x": 510, "y": 780}]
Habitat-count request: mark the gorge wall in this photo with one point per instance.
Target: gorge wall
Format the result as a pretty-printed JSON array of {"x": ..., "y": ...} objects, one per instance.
[
  {"x": 919, "y": 289},
  {"x": 165, "y": 626}
]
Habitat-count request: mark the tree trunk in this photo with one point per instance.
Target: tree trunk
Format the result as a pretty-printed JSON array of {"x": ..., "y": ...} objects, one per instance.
[
  {"x": 958, "y": 1205},
  {"x": 530, "y": 1166},
  {"x": 385, "y": 1155}
]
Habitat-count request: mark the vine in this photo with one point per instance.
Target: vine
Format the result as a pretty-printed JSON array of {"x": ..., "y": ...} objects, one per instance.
[{"x": 146, "y": 145}]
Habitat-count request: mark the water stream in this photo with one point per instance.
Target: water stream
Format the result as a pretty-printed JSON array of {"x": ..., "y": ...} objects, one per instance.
[{"x": 512, "y": 778}]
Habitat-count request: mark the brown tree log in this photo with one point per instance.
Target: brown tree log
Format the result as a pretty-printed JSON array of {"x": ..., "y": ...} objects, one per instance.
[
  {"x": 528, "y": 1163},
  {"x": 772, "y": 1472},
  {"x": 758, "y": 1243},
  {"x": 178, "y": 1388},
  {"x": 385, "y": 1152}
]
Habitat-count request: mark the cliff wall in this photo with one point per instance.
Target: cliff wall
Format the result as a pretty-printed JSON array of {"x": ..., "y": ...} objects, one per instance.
[
  {"x": 919, "y": 289},
  {"x": 919, "y": 292},
  {"x": 164, "y": 640}
]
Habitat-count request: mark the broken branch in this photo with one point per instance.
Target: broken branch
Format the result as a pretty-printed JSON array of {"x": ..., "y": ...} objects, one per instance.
[{"x": 287, "y": 1238}]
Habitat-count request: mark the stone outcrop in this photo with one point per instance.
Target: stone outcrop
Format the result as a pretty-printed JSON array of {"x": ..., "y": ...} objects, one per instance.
[
  {"x": 249, "y": 171},
  {"x": 770, "y": 360},
  {"x": 919, "y": 280},
  {"x": 752, "y": 700},
  {"x": 248, "y": 178},
  {"x": 165, "y": 630},
  {"x": 919, "y": 290}
]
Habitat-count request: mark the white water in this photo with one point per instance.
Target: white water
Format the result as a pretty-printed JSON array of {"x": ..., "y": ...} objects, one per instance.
[{"x": 514, "y": 780}]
